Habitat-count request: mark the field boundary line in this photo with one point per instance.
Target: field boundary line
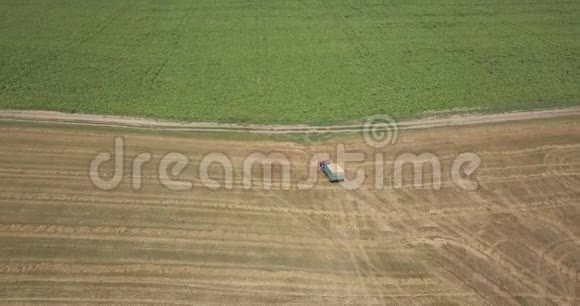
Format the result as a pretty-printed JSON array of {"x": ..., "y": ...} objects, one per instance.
[{"x": 144, "y": 123}]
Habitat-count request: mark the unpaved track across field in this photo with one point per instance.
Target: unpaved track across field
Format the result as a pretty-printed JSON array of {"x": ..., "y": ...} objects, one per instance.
[
  {"x": 515, "y": 240},
  {"x": 116, "y": 121}
]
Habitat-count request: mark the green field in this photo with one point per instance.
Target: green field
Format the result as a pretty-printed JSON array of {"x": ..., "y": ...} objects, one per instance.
[{"x": 287, "y": 61}]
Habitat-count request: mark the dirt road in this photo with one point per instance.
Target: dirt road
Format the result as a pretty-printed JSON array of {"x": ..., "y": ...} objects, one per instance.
[
  {"x": 429, "y": 122},
  {"x": 514, "y": 240}
]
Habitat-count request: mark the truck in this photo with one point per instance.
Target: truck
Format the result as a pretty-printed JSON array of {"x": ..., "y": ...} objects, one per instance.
[{"x": 333, "y": 171}]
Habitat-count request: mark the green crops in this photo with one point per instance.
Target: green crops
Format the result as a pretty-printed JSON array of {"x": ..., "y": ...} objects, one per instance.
[{"x": 285, "y": 61}]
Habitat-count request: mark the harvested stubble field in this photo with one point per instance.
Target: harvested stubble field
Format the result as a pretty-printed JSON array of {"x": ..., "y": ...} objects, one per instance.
[
  {"x": 282, "y": 61},
  {"x": 515, "y": 240}
]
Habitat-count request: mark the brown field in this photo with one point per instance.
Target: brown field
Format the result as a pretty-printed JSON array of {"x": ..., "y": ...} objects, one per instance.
[{"x": 515, "y": 240}]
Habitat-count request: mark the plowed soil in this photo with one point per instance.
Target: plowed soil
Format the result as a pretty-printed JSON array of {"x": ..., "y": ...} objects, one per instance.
[{"x": 514, "y": 240}]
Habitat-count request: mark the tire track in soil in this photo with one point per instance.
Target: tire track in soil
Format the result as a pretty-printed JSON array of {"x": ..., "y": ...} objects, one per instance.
[
  {"x": 530, "y": 33},
  {"x": 344, "y": 217},
  {"x": 363, "y": 254},
  {"x": 565, "y": 274},
  {"x": 161, "y": 267},
  {"x": 169, "y": 51},
  {"x": 11, "y": 80},
  {"x": 323, "y": 233},
  {"x": 353, "y": 256},
  {"x": 155, "y": 124},
  {"x": 464, "y": 230},
  {"x": 56, "y": 231},
  {"x": 362, "y": 51},
  {"x": 231, "y": 286},
  {"x": 467, "y": 55},
  {"x": 25, "y": 18},
  {"x": 458, "y": 222},
  {"x": 262, "y": 52},
  {"x": 490, "y": 252},
  {"x": 181, "y": 269}
]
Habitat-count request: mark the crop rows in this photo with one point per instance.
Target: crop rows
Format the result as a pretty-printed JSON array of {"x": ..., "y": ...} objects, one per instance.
[{"x": 287, "y": 61}]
